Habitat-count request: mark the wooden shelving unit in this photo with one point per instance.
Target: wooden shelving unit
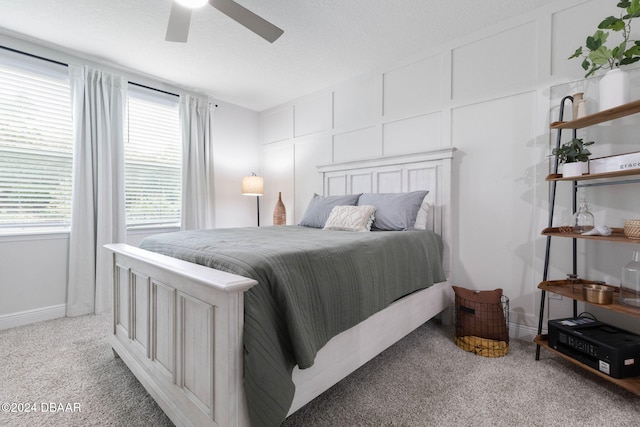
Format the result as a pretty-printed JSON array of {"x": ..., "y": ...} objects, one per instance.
[
  {"x": 607, "y": 175},
  {"x": 600, "y": 117},
  {"x": 574, "y": 291},
  {"x": 617, "y": 235},
  {"x": 573, "y": 288}
]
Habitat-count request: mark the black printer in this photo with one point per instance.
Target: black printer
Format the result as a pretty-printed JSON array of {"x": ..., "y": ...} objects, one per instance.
[{"x": 608, "y": 349}]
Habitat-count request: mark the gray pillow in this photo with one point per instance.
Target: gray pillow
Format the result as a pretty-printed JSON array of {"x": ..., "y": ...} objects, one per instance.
[
  {"x": 394, "y": 211},
  {"x": 320, "y": 207}
]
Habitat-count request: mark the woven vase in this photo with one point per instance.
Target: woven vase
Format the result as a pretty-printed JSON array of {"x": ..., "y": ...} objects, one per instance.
[{"x": 279, "y": 212}]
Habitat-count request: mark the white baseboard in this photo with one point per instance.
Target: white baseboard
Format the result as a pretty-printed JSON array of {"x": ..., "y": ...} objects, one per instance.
[
  {"x": 32, "y": 316},
  {"x": 522, "y": 332}
]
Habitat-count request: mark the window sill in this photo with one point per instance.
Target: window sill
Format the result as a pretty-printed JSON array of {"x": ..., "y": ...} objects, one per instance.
[
  {"x": 152, "y": 229},
  {"x": 36, "y": 233},
  {"x": 44, "y": 233}
]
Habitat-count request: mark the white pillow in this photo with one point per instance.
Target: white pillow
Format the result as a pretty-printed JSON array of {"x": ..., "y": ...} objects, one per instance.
[
  {"x": 351, "y": 218},
  {"x": 423, "y": 215}
]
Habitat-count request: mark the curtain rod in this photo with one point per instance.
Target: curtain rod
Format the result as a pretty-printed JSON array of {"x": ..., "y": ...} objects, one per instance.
[
  {"x": 34, "y": 56},
  {"x": 66, "y": 65},
  {"x": 158, "y": 90},
  {"x": 153, "y": 88}
]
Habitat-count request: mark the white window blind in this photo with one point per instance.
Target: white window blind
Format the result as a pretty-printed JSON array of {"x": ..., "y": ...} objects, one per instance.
[
  {"x": 35, "y": 148},
  {"x": 153, "y": 158}
]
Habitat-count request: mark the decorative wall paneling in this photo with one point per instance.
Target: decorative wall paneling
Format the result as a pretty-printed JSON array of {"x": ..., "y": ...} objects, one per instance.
[
  {"x": 413, "y": 89},
  {"x": 412, "y": 134},
  {"x": 309, "y": 152},
  {"x": 313, "y": 115},
  {"x": 568, "y": 33},
  {"x": 358, "y": 103},
  {"x": 277, "y": 125},
  {"x": 493, "y": 64},
  {"x": 419, "y": 104},
  {"x": 357, "y": 144}
]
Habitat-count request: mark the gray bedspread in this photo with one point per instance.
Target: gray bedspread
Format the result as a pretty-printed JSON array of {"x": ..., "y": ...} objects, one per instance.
[{"x": 312, "y": 285}]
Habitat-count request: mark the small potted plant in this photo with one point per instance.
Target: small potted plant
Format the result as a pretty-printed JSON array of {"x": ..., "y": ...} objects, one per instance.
[
  {"x": 574, "y": 156},
  {"x": 614, "y": 85}
]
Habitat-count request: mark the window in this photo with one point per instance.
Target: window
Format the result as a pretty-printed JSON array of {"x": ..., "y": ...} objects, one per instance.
[
  {"x": 153, "y": 158},
  {"x": 36, "y": 149},
  {"x": 35, "y": 143}
]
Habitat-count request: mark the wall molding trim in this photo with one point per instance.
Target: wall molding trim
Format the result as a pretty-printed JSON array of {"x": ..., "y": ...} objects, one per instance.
[{"x": 32, "y": 316}]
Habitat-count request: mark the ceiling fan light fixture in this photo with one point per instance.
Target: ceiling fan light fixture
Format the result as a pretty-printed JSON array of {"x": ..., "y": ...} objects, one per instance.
[
  {"x": 192, "y": 4},
  {"x": 180, "y": 17}
]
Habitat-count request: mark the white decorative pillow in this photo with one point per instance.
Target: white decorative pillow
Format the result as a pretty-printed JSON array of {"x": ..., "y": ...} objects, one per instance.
[
  {"x": 423, "y": 215},
  {"x": 351, "y": 218}
]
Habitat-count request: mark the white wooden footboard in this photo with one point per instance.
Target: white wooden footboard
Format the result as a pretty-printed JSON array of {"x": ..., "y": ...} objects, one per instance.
[{"x": 178, "y": 327}]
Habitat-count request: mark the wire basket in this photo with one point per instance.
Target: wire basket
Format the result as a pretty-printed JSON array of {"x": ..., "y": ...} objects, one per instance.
[
  {"x": 482, "y": 328},
  {"x": 632, "y": 228}
]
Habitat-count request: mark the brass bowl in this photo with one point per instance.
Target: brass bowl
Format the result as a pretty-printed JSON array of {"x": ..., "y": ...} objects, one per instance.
[
  {"x": 632, "y": 228},
  {"x": 597, "y": 294}
]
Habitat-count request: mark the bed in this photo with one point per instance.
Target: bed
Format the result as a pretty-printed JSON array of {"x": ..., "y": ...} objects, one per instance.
[{"x": 179, "y": 325}]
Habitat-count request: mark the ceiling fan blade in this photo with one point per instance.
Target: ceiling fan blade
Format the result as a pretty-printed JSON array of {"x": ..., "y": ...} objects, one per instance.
[
  {"x": 245, "y": 17},
  {"x": 178, "y": 28}
]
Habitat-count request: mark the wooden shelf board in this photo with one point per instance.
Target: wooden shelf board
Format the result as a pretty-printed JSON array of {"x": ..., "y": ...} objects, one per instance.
[
  {"x": 616, "y": 174},
  {"x": 566, "y": 288},
  {"x": 617, "y": 235},
  {"x": 631, "y": 384},
  {"x": 600, "y": 117}
]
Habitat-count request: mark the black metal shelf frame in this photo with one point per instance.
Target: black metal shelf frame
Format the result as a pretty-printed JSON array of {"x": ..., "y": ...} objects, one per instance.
[{"x": 552, "y": 203}]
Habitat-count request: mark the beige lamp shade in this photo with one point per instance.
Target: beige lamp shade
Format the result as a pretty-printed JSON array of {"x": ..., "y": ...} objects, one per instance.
[{"x": 252, "y": 185}]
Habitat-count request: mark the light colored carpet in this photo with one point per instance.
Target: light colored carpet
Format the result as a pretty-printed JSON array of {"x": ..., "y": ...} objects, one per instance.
[
  {"x": 68, "y": 361},
  {"x": 424, "y": 380}
]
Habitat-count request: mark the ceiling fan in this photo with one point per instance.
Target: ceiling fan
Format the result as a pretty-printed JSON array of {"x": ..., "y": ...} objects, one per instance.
[{"x": 178, "y": 28}]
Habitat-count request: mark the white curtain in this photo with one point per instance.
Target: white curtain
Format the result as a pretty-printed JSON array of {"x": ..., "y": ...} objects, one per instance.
[
  {"x": 196, "y": 120},
  {"x": 98, "y": 215}
]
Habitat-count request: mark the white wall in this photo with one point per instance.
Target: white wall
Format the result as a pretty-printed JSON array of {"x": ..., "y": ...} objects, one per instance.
[
  {"x": 33, "y": 276},
  {"x": 488, "y": 95},
  {"x": 33, "y": 267},
  {"x": 236, "y": 153}
]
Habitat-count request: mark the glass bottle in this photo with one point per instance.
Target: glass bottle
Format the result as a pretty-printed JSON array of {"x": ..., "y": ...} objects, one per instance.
[
  {"x": 630, "y": 282},
  {"x": 582, "y": 219}
]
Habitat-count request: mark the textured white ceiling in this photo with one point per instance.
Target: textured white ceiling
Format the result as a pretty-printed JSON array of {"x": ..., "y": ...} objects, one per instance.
[{"x": 324, "y": 41}]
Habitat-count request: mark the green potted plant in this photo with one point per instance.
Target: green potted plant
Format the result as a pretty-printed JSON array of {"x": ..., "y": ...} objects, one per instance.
[
  {"x": 574, "y": 156},
  {"x": 614, "y": 85}
]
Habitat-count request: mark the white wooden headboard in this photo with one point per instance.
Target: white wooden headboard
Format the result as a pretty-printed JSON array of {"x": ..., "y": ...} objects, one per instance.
[{"x": 430, "y": 170}]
